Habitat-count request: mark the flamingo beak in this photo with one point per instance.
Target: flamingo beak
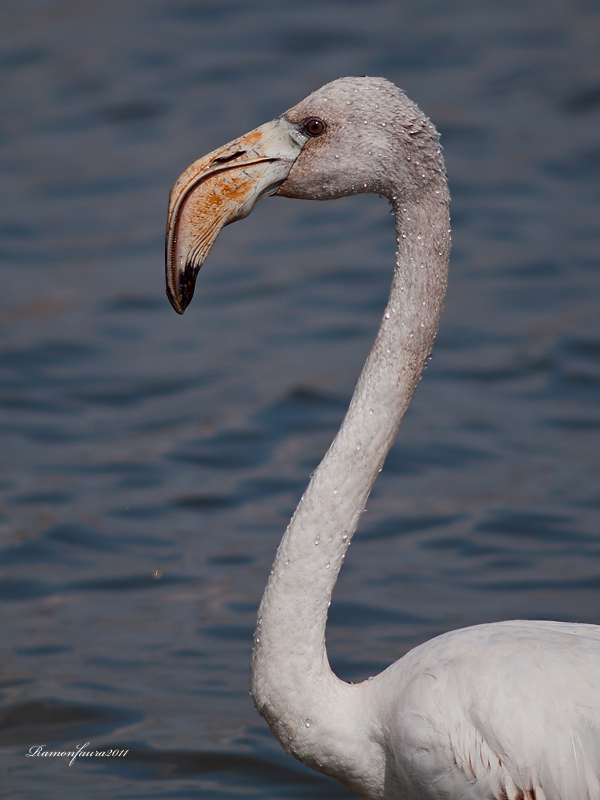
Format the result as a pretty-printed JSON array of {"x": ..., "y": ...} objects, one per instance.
[{"x": 220, "y": 188}]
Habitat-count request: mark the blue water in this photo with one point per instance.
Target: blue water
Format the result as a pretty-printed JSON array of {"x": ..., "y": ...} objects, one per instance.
[{"x": 149, "y": 463}]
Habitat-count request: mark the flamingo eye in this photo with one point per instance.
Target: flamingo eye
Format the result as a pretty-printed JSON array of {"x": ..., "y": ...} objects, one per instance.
[{"x": 313, "y": 126}]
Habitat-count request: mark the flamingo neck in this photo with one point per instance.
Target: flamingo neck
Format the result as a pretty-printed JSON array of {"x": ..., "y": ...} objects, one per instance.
[{"x": 313, "y": 713}]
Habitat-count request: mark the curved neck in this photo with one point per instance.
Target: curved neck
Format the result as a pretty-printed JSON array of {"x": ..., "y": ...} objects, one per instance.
[{"x": 306, "y": 705}]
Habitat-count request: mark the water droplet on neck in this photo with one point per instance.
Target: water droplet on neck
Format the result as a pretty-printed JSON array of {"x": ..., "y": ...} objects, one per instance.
[
  {"x": 317, "y": 540},
  {"x": 344, "y": 536},
  {"x": 307, "y": 723},
  {"x": 335, "y": 491}
]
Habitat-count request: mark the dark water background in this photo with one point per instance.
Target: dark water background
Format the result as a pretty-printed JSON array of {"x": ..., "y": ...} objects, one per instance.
[{"x": 133, "y": 440}]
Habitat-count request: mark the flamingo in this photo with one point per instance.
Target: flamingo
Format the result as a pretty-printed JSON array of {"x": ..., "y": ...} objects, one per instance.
[{"x": 506, "y": 710}]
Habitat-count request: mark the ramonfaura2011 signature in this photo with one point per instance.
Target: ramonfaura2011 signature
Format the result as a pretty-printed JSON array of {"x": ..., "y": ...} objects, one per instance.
[{"x": 39, "y": 750}]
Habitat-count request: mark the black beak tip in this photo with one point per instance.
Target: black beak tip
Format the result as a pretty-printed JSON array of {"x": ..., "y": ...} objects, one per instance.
[
  {"x": 177, "y": 306},
  {"x": 182, "y": 296}
]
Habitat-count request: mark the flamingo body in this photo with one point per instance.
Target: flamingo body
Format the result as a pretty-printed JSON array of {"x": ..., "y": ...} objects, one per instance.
[{"x": 504, "y": 710}]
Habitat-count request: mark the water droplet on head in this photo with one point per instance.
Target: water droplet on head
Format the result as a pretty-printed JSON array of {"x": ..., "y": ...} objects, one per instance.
[
  {"x": 387, "y": 314},
  {"x": 335, "y": 491},
  {"x": 344, "y": 536},
  {"x": 307, "y": 723},
  {"x": 317, "y": 540}
]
